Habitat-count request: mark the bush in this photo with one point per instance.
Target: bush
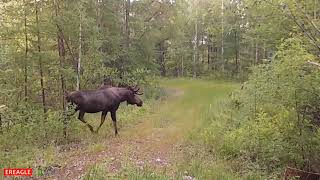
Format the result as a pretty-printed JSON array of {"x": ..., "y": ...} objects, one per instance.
[{"x": 273, "y": 119}]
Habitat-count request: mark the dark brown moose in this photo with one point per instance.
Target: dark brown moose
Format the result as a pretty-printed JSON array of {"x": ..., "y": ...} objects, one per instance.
[{"x": 105, "y": 99}]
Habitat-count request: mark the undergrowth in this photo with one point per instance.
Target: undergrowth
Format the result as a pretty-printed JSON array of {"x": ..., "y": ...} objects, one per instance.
[
  {"x": 36, "y": 140},
  {"x": 270, "y": 123}
]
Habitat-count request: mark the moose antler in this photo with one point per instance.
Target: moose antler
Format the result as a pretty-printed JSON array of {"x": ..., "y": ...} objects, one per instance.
[
  {"x": 138, "y": 93},
  {"x": 136, "y": 90}
]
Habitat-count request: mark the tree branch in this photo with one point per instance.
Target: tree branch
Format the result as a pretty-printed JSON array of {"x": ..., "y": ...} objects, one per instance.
[
  {"x": 2, "y": 106},
  {"x": 313, "y": 39},
  {"x": 291, "y": 16},
  {"x": 314, "y": 63},
  {"x": 307, "y": 17},
  {"x": 63, "y": 37}
]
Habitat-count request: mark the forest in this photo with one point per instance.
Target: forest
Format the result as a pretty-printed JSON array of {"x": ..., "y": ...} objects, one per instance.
[{"x": 231, "y": 88}]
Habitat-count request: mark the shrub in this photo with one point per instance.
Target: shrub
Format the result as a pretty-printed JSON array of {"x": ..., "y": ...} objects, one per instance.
[{"x": 274, "y": 119}]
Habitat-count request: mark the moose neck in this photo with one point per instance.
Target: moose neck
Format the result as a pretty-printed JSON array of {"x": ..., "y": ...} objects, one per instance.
[{"x": 124, "y": 94}]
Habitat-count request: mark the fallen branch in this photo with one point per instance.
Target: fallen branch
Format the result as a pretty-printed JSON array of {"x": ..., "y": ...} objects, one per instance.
[
  {"x": 2, "y": 107},
  {"x": 314, "y": 63},
  {"x": 293, "y": 172}
]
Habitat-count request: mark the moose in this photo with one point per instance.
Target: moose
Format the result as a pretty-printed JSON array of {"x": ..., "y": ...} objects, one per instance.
[{"x": 105, "y": 99}]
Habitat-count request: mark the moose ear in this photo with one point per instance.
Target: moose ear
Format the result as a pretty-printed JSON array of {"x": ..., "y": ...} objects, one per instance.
[{"x": 66, "y": 93}]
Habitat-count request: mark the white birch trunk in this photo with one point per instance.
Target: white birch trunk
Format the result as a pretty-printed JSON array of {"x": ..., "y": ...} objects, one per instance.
[{"x": 80, "y": 51}]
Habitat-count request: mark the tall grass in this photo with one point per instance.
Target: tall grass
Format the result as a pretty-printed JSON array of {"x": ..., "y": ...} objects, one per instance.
[{"x": 98, "y": 171}]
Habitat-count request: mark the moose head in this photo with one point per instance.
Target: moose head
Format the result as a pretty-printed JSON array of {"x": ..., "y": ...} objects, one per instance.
[{"x": 133, "y": 97}]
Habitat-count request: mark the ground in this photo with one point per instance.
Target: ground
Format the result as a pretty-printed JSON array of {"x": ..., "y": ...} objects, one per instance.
[{"x": 155, "y": 143}]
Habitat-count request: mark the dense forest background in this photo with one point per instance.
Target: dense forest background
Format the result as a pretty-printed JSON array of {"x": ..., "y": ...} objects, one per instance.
[{"x": 49, "y": 47}]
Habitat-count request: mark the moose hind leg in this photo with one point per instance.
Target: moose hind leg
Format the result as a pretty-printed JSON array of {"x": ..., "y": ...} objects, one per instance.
[
  {"x": 103, "y": 118},
  {"x": 114, "y": 120},
  {"x": 81, "y": 118}
]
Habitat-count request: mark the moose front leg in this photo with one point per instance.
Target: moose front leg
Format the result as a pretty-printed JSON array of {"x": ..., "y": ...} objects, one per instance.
[
  {"x": 103, "y": 118},
  {"x": 114, "y": 120},
  {"x": 81, "y": 118}
]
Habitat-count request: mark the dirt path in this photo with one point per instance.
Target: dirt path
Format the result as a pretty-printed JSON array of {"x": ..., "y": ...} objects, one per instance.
[{"x": 150, "y": 144}]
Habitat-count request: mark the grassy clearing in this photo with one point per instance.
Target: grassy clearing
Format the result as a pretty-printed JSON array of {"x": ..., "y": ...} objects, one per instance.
[
  {"x": 198, "y": 99},
  {"x": 183, "y": 118},
  {"x": 201, "y": 100},
  {"x": 180, "y": 119},
  {"x": 210, "y": 117}
]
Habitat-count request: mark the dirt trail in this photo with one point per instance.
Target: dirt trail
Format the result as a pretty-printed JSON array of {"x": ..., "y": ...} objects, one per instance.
[{"x": 152, "y": 143}]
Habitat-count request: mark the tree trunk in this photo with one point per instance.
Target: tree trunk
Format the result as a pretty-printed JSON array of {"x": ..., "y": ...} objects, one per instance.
[
  {"x": 182, "y": 68},
  {"x": 80, "y": 49},
  {"x": 195, "y": 47},
  {"x": 214, "y": 57},
  {"x": 161, "y": 58},
  {"x": 256, "y": 53},
  {"x": 239, "y": 59},
  {"x": 209, "y": 46},
  {"x": 236, "y": 50},
  {"x": 126, "y": 26},
  {"x": 99, "y": 21},
  {"x": 126, "y": 37},
  {"x": 264, "y": 51},
  {"x": 40, "y": 59},
  {"x": 222, "y": 35},
  {"x": 62, "y": 52},
  {"x": 26, "y": 53},
  {"x": 208, "y": 57},
  {"x": 98, "y": 14},
  {"x": 1, "y": 132},
  {"x": 315, "y": 9},
  {"x": 252, "y": 52}
]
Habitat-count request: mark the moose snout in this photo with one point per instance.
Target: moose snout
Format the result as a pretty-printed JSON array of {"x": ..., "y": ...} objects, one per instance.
[{"x": 139, "y": 103}]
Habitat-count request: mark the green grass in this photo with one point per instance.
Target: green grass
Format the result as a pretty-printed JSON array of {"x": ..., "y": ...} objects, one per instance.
[
  {"x": 182, "y": 117},
  {"x": 204, "y": 112},
  {"x": 191, "y": 108},
  {"x": 199, "y": 97},
  {"x": 98, "y": 172}
]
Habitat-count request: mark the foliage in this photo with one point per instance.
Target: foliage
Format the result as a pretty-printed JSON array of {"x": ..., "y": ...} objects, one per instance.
[
  {"x": 35, "y": 68},
  {"x": 270, "y": 124}
]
